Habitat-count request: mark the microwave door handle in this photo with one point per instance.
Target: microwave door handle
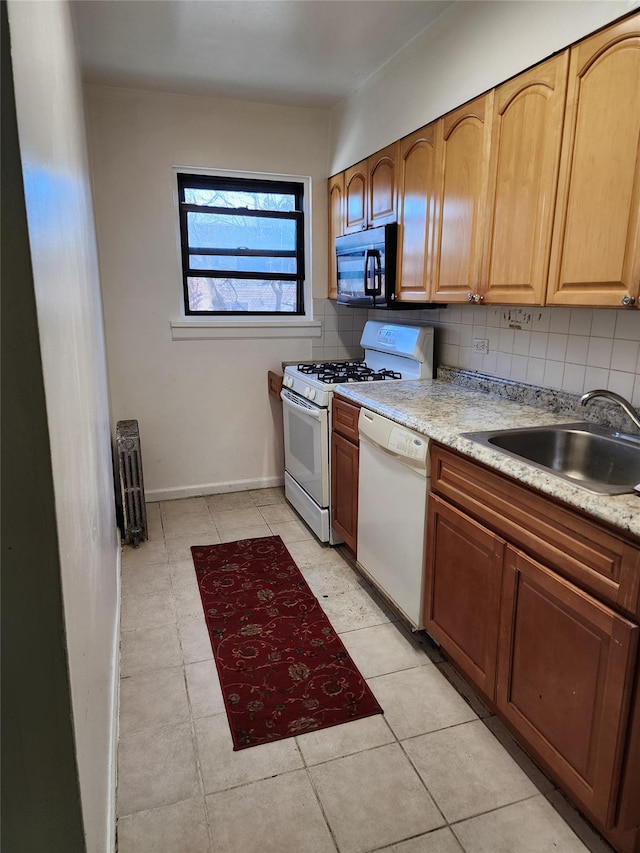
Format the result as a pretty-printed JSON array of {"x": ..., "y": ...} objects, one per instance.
[
  {"x": 376, "y": 290},
  {"x": 378, "y": 272}
]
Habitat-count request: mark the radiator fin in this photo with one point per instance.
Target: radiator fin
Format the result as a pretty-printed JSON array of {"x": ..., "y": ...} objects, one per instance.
[{"x": 131, "y": 482}]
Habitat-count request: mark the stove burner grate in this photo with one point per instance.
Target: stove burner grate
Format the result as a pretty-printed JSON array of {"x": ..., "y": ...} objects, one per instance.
[
  {"x": 318, "y": 367},
  {"x": 361, "y": 373}
]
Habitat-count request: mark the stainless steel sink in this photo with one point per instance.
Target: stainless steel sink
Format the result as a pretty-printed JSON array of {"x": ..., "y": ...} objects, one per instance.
[{"x": 596, "y": 458}]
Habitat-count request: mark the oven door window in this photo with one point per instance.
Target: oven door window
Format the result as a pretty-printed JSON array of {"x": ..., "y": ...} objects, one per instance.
[{"x": 306, "y": 446}]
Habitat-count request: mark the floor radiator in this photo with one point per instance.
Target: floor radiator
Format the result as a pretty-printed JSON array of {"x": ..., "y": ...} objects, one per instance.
[{"x": 131, "y": 483}]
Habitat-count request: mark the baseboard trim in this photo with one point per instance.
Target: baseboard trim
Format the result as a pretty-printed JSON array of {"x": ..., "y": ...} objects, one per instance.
[
  {"x": 178, "y": 492},
  {"x": 115, "y": 714}
]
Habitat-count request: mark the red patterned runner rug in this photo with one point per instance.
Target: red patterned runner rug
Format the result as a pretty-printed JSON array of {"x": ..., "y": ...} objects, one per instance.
[{"x": 283, "y": 669}]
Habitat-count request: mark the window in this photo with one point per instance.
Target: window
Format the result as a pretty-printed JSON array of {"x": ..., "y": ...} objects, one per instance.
[{"x": 242, "y": 245}]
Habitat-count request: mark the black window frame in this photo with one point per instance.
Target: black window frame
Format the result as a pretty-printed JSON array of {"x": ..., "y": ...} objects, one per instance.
[{"x": 188, "y": 180}]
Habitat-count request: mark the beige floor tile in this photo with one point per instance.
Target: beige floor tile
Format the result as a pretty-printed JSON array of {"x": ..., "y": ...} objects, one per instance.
[
  {"x": 144, "y": 554},
  {"x": 438, "y": 841},
  {"x": 237, "y": 533},
  {"x": 501, "y": 733},
  {"x": 262, "y": 497},
  {"x": 179, "y": 547},
  {"x": 592, "y": 840},
  {"x": 419, "y": 700},
  {"x": 154, "y": 521},
  {"x": 279, "y": 815},
  {"x": 309, "y": 552},
  {"x": 291, "y": 531},
  {"x": 230, "y": 500},
  {"x": 467, "y": 771},
  {"x": 229, "y": 519},
  {"x": 345, "y": 739},
  {"x": 179, "y": 827},
  {"x": 382, "y": 649},
  {"x": 354, "y": 609},
  {"x": 279, "y": 512},
  {"x": 188, "y": 601},
  {"x": 531, "y": 826},
  {"x": 153, "y": 699},
  {"x": 146, "y": 649},
  {"x": 140, "y": 580},
  {"x": 147, "y": 611},
  {"x": 194, "y": 639},
  {"x": 155, "y": 768},
  {"x": 182, "y": 573},
  {"x": 183, "y": 507},
  {"x": 331, "y": 579},
  {"x": 203, "y": 687},
  {"x": 199, "y": 528},
  {"x": 383, "y": 790},
  {"x": 222, "y": 768}
]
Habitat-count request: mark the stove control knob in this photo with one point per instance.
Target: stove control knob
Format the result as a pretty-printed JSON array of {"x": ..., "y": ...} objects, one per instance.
[
  {"x": 312, "y": 393},
  {"x": 306, "y": 393},
  {"x": 288, "y": 381}
]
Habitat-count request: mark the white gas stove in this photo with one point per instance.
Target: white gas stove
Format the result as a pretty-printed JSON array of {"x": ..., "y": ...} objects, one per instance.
[{"x": 392, "y": 351}]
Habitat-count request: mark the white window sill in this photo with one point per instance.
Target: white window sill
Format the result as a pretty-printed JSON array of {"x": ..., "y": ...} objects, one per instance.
[{"x": 198, "y": 329}]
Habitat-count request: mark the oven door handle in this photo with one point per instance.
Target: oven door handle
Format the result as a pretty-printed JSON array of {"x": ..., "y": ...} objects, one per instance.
[{"x": 305, "y": 408}]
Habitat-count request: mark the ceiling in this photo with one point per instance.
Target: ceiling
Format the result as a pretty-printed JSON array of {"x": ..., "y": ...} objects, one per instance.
[{"x": 301, "y": 53}]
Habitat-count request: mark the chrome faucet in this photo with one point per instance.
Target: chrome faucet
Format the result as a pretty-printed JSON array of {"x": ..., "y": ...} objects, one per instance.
[{"x": 615, "y": 398}]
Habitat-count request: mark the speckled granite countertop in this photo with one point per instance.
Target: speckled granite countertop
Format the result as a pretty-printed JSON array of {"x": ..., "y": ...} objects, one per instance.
[{"x": 443, "y": 410}]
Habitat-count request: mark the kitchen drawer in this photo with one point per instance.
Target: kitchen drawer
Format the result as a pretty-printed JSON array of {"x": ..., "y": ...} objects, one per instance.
[
  {"x": 345, "y": 418},
  {"x": 575, "y": 545}
]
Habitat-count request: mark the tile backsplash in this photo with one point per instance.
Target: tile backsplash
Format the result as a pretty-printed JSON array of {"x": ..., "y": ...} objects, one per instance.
[{"x": 573, "y": 349}]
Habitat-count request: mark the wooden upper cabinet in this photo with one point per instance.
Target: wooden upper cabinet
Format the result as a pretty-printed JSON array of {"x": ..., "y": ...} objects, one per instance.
[
  {"x": 336, "y": 227},
  {"x": 463, "y": 144},
  {"x": 370, "y": 191},
  {"x": 355, "y": 196},
  {"x": 382, "y": 168},
  {"x": 595, "y": 255},
  {"x": 416, "y": 207},
  {"x": 523, "y": 175}
]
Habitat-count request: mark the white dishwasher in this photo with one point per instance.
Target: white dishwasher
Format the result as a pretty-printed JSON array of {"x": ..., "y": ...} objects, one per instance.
[{"x": 392, "y": 503}]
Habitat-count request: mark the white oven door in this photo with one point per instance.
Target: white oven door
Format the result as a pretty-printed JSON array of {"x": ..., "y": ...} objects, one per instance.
[{"x": 306, "y": 445}]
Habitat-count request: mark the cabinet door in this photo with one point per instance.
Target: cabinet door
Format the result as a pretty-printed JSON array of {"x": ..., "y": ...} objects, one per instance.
[
  {"x": 564, "y": 679},
  {"x": 416, "y": 206},
  {"x": 344, "y": 489},
  {"x": 464, "y": 138},
  {"x": 336, "y": 227},
  {"x": 595, "y": 258},
  {"x": 355, "y": 193},
  {"x": 462, "y": 591},
  {"x": 523, "y": 176},
  {"x": 382, "y": 169}
]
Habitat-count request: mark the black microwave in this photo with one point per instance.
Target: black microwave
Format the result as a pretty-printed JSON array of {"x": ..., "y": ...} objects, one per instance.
[{"x": 366, "y": 269}]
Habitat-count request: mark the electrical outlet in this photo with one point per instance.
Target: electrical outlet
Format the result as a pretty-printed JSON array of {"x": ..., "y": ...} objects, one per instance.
[{"x": 481, "y": 345}]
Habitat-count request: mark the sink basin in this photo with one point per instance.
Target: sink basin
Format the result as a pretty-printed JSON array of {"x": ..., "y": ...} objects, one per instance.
[{"x": 588, "y": 455}]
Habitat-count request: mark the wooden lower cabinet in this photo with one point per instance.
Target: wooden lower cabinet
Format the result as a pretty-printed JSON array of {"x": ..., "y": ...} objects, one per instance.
[
  {"x": 463, "y": 583},
  {"x": 344, "y": 489},
  {"x": 552, "y": 649},
  {"x": 345, "y": 461},
  {"x": 565, "y": 665}
]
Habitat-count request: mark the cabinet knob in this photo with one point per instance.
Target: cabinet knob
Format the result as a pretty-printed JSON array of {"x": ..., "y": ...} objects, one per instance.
[
  {"x": 470, "y": 297},
  {"x": 628, "y": 300},
  {"x": 478, "y": 298}
]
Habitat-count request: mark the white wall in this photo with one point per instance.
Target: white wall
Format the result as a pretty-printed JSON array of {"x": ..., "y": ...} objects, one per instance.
[
  {"x": 206, "y": 421},
  {"x": 67, "y": 289},
  {"x": 471, "y": 47}
]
